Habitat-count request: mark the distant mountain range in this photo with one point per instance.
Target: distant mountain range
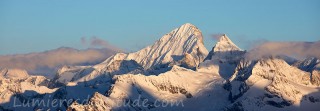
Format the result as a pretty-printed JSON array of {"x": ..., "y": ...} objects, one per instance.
[{"x": 175, "y": 73}]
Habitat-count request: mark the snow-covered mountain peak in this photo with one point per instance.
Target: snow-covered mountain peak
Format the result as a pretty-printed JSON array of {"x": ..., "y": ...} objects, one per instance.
[
  {"x": 225, "y": 51},
  {"x": 171, "y": 47},
  {"x": 225, "y": 44}
]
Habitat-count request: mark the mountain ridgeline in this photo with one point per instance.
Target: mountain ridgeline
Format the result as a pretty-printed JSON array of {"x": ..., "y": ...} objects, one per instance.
[{"x": 175, "y": 73}]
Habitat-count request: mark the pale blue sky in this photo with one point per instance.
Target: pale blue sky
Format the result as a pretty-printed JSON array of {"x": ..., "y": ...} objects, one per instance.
[{"x": 39, "y": 25}]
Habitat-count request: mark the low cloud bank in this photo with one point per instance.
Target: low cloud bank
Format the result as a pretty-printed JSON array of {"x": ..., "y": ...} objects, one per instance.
[
  {"x": 297, "y": 50},
  {"x": 45, "y": 63}
]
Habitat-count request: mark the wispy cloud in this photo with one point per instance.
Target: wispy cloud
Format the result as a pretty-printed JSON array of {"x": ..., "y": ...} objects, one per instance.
[
  {"x": 216, "y": 36},
  {"x": 83, "y": 41},
  {"x": 95, "y": 42}
]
